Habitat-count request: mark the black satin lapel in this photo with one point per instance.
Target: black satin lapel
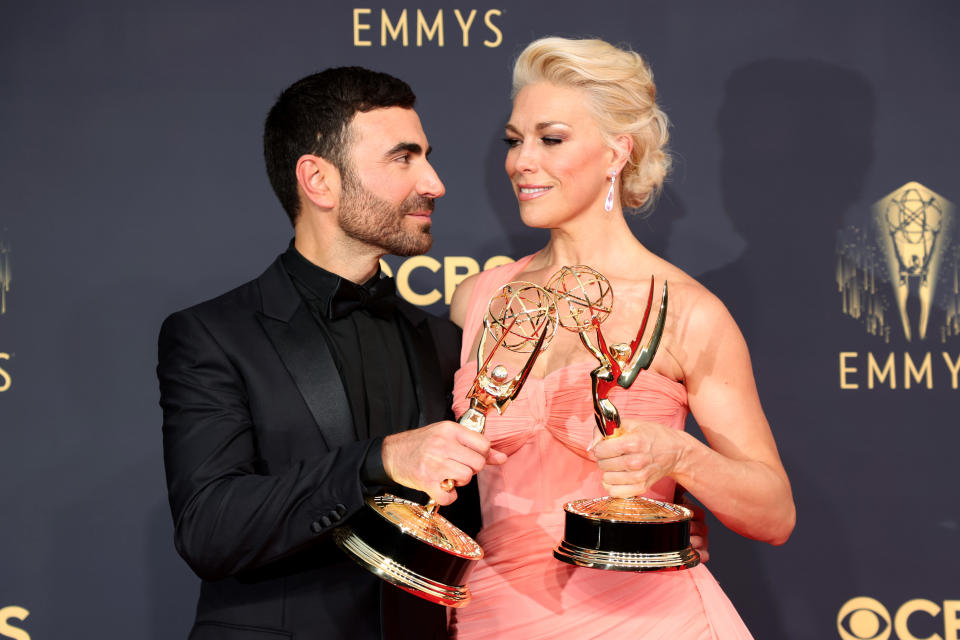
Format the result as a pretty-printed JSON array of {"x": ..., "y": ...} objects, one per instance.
[
  {"x": 425, "y": 370},
  {"x": 307, "y": 356}
]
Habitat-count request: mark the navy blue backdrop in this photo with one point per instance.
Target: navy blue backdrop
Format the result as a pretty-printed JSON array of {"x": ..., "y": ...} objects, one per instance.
[{"x": 817, "y": 162}]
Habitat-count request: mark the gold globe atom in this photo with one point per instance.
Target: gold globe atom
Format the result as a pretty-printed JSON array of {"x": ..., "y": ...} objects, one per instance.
[
  {"x": 519, "y": 312},
  {"x": 582, "y": 294}
]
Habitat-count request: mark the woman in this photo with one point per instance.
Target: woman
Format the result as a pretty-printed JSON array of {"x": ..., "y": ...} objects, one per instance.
[{"x": 584, "y": 140}]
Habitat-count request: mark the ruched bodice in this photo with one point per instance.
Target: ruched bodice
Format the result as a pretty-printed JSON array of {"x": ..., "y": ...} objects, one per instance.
[
  {"x": 555, "y": 403},
  {"x": 554, "y": 413}
]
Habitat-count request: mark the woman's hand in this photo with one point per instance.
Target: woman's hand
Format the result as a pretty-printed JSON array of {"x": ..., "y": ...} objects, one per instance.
[
  {"x": 699, "y": 537},
  {"x": 638, "y": 457}
]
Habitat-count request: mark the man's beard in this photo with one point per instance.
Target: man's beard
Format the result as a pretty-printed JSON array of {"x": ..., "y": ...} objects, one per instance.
[{"x": 367, "y": 218}]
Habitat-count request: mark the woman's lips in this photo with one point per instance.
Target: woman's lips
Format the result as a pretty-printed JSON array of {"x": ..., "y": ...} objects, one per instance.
[{"x": 531, "y": 191}]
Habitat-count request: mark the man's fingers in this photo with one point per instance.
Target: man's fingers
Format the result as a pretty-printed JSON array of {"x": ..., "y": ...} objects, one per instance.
[
  {"x": 496, "y": 457},
  {"x": 444, "y": 492},
  {"x": 493, "y": 457},
  {"x": 473, "y": 440},
  {"x": 468, "y": 458},
  {"x": 478, "y": 443},
  {"x": 423, "y": 458},
  {"x": 443, "y": 498},
  {"x": 458, "y": 473}
]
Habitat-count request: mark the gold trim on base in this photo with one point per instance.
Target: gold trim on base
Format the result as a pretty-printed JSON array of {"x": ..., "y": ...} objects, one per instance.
[
  {"x": 620, "y": 561},
  {"x": 398, "y": 575},
  {"x": 426, "y": 526},
  {"x": 636, "y": 509}
]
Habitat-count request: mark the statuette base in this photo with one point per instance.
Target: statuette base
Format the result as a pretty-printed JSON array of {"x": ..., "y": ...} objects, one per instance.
[
  {"x": 417, "y": 551},
  {"x": 627, "y": 534}
]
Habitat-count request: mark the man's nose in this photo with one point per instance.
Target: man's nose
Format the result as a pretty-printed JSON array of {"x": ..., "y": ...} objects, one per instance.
[{"x": 430, "y": 184}]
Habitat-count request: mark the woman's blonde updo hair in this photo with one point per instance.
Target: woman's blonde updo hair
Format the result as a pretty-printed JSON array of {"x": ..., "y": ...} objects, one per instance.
[{"x": 622, "y": 96}]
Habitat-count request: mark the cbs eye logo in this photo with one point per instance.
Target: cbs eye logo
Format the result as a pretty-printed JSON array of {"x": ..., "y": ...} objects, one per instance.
[{"x": 864, "y": 619}]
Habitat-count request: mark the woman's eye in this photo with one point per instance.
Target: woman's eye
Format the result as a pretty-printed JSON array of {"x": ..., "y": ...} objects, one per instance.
[
  {"x": 512, "y": 142},
  {"x": 548, "y": 140}
]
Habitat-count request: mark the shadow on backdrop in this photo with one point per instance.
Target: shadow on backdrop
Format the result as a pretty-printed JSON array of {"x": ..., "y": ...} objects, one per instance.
[
  {"x": 653, "y": 227},
  {"x": 797, "y": 140}
]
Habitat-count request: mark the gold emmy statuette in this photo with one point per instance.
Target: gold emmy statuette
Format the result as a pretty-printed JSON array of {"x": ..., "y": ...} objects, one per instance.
[
  {"x": 620, "y": 534},
  {"x": 411, "y": 545}
]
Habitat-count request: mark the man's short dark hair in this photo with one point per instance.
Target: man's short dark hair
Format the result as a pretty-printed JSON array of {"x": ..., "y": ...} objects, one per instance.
[{"x": 313, "y": 115}]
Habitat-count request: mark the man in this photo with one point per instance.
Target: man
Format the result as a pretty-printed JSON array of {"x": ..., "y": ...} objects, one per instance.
[{"x": 290, "y": 399}]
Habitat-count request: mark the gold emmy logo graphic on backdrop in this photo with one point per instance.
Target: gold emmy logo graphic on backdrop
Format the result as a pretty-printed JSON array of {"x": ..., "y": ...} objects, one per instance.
[
  {"x": 909, "y": 244},
  {"x": 5, "y": 275}
]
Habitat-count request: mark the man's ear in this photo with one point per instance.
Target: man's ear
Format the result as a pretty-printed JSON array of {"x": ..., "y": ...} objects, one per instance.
[{"x": 319, "y": 181}]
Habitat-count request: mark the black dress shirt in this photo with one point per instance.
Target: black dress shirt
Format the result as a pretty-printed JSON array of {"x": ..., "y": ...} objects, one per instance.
[{"x": 360, "y": 325}]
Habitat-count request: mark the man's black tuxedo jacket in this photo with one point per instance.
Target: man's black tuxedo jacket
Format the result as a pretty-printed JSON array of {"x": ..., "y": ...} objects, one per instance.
[{"x": 263, "y": 461}]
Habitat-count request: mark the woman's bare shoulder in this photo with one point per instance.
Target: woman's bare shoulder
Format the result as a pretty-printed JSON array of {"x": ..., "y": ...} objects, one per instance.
[
  {"x": 696, "y": 317},
  {"x": 461, "y": 299},
  {"x": 687, "y": 295}
]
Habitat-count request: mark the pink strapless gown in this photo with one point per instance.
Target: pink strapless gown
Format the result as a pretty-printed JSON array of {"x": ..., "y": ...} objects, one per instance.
[{"x": 519, "y": 589}]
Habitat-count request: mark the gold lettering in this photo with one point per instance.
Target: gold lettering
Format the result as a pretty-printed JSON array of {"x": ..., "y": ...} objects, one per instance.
[
  {"x": 493, "y": 28},
  {"x": 13, "y": 613},
  {"x": 452, "y": 277},
  {"x": 358, "y": 27},
  {"x": 455, "y": 270},
  {"x": 5, "y": 379},
  {"x": 844, "y": 370},
  {"x": 465, "y": 26},
  {"x": 497, "y": 261},
  {"x": 951, "y": 619},
  {"x": 954, "y": 367},
  {"x": 888, "y": 370},
  {"x": 394, "y": 30},
  {"x": 403, "y": 280},
  {"x": 910, "y": 370},
  {"x": 436, "y": 29},
  {"x": 909, "y": 608}
]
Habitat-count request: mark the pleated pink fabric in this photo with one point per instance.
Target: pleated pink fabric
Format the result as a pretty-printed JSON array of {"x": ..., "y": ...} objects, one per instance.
[{"x": 519, "y": 589}]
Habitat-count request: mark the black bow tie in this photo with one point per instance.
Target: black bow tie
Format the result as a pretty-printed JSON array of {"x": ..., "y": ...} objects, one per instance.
[{"x": 378, "y": 298}]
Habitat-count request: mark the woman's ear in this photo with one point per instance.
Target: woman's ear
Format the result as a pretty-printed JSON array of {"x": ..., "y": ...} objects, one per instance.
[{"x": 622, "y": 147}]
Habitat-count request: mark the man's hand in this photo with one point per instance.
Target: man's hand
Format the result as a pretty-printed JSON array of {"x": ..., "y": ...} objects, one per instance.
[{"x": 423, "y": 458}]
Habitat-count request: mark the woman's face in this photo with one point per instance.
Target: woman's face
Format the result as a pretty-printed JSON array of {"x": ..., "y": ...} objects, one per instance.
[{"x": 557, "y": 160}]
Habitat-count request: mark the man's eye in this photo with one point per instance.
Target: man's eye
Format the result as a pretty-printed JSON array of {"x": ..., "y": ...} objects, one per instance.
[
  {"x": 512, "y": 142},
  {"x": 405, "y": 158}
]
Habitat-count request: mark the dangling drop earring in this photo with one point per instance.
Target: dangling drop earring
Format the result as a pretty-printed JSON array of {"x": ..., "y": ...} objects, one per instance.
[{"x": 608, "y": 204}]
